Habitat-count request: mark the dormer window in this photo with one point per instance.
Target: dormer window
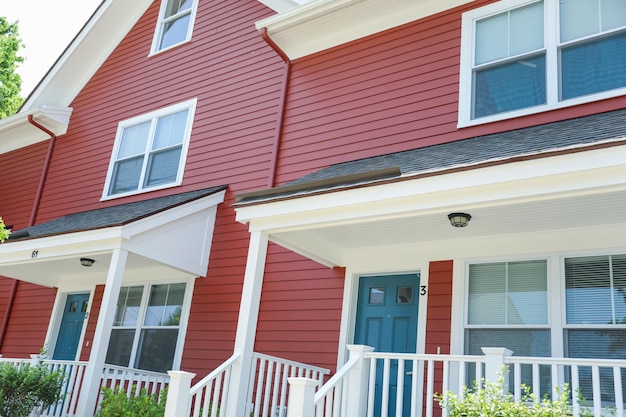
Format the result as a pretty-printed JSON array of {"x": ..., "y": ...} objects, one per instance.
[
  {"x": 520, "y": 57},
  {"x": 150, "y": 151},
  {"x": 175, "y": 23}
]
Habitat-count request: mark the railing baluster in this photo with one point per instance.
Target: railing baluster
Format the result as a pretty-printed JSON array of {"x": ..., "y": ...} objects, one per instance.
[
  {"x": 597, "y": 400},
  {"x": 536, "y": 383},
  {"x": 400, "y": 387},
  {"x": 385, "y": 388},
  {"x": 429, "y": 387},
  {"x": 371, "y": 390},
  {"x": 575, "y": 387},
  {"x": 517, "y": 380}
]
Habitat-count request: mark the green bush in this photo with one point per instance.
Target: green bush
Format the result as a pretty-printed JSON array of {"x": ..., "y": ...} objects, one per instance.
[
  {"x": 25, "y": 388},
  {"x": 492, "y": 401},
  {"x": 116, "y": 403}
]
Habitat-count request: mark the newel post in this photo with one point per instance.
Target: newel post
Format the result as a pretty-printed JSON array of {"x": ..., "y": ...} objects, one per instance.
[
  {"x": 178, "y": 393},
  {"x": 358, "y": 379},
  {"x": 495, "y": 365},
  {"x": 301, "y": 397}
]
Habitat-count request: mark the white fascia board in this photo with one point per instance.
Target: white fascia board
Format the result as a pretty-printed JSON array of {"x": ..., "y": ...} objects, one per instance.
[
  {"x": 571, "y": 174},
  {"x": 60, "y": 246},
  {"x": 279, "y": 6},
  {"x": 323, "y": 24},
  {"x": 17, "y": 132},
  {"x": 110, "y": 23}
]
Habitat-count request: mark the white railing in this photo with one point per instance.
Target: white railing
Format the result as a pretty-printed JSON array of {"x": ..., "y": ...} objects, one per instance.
[
  {"x": 132, "y": 381},
  {"x": 209, "y": 396},
  {"x": 395, "y": 385},
  {"x": 267, "y": 391}
]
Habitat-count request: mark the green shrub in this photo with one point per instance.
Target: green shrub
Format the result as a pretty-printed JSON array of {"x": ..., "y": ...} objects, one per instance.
[
  {"x": 491, "y": 400},
  {"x": 116, "y": 403},
  {"x": 25, "y": 388}
]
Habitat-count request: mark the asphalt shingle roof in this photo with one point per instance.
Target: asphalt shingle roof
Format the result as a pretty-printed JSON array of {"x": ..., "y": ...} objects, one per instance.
[
  {"x": 582, "y": 131},
  {"x": 110, "y": 216}
]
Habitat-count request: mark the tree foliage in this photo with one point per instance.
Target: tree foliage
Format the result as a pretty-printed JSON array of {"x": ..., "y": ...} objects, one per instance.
[
  {"x": 10, "y": 80},
  {"x": 4, "y": 233}
]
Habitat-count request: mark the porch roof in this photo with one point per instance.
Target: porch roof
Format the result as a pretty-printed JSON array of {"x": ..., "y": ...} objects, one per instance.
[
  {"x": 572, "y": 135},
  {"x": 165, "y": 237},
  {"x": 561, "y": 177}
]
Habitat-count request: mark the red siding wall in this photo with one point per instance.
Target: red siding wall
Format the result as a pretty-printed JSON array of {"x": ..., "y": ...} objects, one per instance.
[
  {"x": 390, "y": 92},
  {"x": 439, "y": 307}
]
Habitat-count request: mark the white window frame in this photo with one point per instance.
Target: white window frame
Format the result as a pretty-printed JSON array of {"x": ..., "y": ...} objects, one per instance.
[
  {"x": 468, "y": 30},
  {"x": 557, "y": 314},
  {"x": 189, "y": 105},
  {"x": 161, "y": 21},
  {"x": 182, "y": 327}
]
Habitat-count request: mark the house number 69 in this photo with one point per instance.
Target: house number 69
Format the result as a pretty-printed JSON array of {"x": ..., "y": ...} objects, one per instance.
[
  {"x": 422, "y": 289},
  {"x": 34, "y": 254}
]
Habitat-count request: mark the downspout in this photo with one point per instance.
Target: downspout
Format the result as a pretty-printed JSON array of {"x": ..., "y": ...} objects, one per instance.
[
  {"x": 31, "y": 221},
  {"x": 278, "y": 131}
]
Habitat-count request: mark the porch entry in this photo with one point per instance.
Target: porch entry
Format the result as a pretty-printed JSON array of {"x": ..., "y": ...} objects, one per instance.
[
  {"x": 71, "y": 327},
  {"x": 386, "y": 319}
]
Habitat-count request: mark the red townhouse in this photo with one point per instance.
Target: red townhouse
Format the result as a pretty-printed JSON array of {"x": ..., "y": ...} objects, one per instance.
[{"x": 377, "y": 200}]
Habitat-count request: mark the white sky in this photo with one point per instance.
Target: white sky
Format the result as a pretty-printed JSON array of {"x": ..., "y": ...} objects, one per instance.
[{"x": 46, "y": 28}]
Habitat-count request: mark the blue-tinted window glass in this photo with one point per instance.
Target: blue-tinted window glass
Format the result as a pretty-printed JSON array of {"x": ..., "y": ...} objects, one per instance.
[
  {"x": 593, "y": 67},
  {"x": 512, "y": 86}
]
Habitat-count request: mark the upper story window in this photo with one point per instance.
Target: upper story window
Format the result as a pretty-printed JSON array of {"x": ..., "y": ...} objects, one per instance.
[
  {"x": 175, "y": 23},
  {"x": 150, "y": 151},
  {"x": 520, "y": 57}
]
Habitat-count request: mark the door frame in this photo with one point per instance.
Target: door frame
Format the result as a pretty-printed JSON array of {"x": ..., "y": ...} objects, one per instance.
[
  {"x": 349, "y": 307},
  {"x": 57, "y": 316}
]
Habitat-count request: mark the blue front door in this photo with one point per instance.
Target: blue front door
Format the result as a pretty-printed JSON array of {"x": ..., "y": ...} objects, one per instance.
[
  {"x": 71, "y": 327},
  {"x": 387, "y": 320}
]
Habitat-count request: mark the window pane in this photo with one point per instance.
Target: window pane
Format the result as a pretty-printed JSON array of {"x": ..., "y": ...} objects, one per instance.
[
  {"x": 590, "y": 296},
  {"x": 598, "y": 344},
  {"x": 593, "y": 67},
  {"x": 134, "y": 140},
  {"x": 175, "y": 31},
  {"x": 176, "y": 6},
  {"x": 527, "y": 293},
  {"x": 377, "y": 295},
  {"x": 165, "y": 305},
  {"x": 170, "y": 130},
  {"x": 120, "y": 346},
  {"x": 509, "y": 34},
  {"x": 578, "y": 18},
  {"x": 613, "y": 14},
  {"x": 156, "y": 349},
  {"x": 512, "y": 86},
  {"x": 163, "y": 167},
  {"x": 404, "y": 295},
  {"x": 526, "y": 29},
  {"x": 127, "y": 311},
  {"x": 487, "y": 287},
  {"x": 126, "y": 175},
  {"x": 508, "y": 293}
]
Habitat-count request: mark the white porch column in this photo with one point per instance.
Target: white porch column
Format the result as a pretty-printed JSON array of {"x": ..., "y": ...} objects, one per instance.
[
  {"x": 93, "y": 372},
  {"x": 247, "y": 324},
  {"x": 495, "y": 366}
]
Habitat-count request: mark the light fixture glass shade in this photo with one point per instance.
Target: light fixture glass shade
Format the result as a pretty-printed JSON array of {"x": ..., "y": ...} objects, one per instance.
[
  {"x": 86, "y": 262},
  {"x": 459, "y": 219}
]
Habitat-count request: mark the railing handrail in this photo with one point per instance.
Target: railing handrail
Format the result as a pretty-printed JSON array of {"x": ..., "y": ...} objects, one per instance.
[
  {"x": 332, "y": 382},
  {"x": 135, "y": 371},
  {"x": 565, "y": 361},
  {"x": 216, "y": 372},
  {"x": 425, "y": 356},
  {"x": 323, "y": 371}
]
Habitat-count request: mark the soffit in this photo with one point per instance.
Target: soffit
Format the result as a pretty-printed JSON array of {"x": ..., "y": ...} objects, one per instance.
[
  {"x": 322, "y": 24},
  {"x": 556, "y": 193}
]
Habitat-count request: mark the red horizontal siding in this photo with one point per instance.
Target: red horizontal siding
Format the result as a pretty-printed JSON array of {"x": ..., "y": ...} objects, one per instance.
[
  {"x": 438, "y": 317},
  {"x": 29, "y": 320}
]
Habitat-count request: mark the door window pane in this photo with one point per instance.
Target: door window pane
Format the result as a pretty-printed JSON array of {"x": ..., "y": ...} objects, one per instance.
[
  {"x": 377, "y": 295},
  {"x": 405, "y": 295}
]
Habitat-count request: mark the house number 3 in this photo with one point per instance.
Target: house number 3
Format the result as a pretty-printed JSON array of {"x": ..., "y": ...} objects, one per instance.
[
  {"x": 34, "y": 254},
  {"x": 422, "y": 289}
]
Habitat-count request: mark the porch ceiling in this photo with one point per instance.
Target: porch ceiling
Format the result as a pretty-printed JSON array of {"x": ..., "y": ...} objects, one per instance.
[{"x": 557, "y": 193}]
